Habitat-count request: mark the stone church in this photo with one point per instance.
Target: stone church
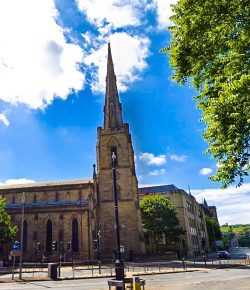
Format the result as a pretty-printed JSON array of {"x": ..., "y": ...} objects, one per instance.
[{"x": 78, "y": 212}]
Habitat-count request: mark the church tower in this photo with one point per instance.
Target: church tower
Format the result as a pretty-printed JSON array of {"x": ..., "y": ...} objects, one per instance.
[{"x": 115, "y": 137}]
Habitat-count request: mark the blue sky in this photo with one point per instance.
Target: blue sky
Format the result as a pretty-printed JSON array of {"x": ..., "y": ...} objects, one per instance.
[{"x": 52, "y": 80}]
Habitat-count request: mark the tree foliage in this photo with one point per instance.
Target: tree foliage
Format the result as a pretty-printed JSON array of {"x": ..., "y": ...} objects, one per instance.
[
  {"x": 213, "y": 230},
  {"x": 7, "y": 232},
  {"x": 159, "y": 218},
  {"x": 210, "y": 49}
]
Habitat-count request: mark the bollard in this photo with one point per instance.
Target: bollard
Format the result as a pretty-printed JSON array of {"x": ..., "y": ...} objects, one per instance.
[
  {"x": 136, "y": 283},
  {"x": 183, "y": 263},
  {"x": 52, "y": 271}
]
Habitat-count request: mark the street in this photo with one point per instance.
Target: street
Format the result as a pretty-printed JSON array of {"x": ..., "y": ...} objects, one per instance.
[{"x": 235, "y": 279}]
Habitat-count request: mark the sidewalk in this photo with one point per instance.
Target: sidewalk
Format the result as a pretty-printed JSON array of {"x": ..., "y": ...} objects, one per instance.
[{"x": 150, "y": 268}]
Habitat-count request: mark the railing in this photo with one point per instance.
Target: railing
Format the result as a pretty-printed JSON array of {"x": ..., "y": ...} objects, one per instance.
[{"x": 84, "y": 271}]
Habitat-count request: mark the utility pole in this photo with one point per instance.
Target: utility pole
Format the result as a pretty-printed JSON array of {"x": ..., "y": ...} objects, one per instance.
[{"x": 21, "y": 254}]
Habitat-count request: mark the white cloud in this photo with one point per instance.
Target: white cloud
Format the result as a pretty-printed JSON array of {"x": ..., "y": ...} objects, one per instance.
[
  {"x": 4, "y": 119},
  {"x": 232, "y": 203},
  {"x": 116, "y": 13},
  {"x": 129, "y": 54},
  {"x": 17, "y": 181},
  {"x": 36, "y": 63},
  {"x": 151, "y": 159},
  {"x": 205, "y": 171},
  {"x": 164, "y": 11},
  {"x": 157, "y": 172},
  {"x": 178, "y": 158}
]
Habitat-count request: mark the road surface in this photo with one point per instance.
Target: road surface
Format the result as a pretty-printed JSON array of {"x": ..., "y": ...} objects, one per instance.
[{"x": 226, "y": 279}]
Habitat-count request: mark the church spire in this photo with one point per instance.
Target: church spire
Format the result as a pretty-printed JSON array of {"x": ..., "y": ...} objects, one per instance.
[{"x": 112, "y": 108}]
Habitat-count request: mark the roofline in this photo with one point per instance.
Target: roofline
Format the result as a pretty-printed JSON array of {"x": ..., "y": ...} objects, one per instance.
[{"x": 37, "y": 185}]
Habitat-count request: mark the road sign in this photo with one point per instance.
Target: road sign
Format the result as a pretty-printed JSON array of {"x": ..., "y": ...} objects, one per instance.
[
  {"x": 15, "y": 253},
  {"x": 16, "y": 246}
]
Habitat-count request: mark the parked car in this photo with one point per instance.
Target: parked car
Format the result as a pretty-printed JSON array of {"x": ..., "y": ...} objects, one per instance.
[{"x": 223, "y": 255}]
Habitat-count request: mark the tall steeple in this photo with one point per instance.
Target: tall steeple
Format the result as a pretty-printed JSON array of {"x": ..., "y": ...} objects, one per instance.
[{"x": 112, "y": 108}]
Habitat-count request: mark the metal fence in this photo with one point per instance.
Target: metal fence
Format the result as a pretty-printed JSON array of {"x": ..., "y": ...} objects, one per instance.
[{"x": 83, "y": 271}]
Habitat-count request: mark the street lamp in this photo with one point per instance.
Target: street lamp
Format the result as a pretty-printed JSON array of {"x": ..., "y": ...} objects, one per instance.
[
  {"x": 99, "y": 250},
  {"x": 22, "y": 220},
  {"x": 119, "y": 265}
]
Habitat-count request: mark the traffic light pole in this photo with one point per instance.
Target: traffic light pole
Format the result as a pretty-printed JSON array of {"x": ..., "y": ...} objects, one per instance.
[{"x": 59, "y": 259}]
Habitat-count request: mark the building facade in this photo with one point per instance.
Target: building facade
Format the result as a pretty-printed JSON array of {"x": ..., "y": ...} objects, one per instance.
[
  {"x": 76, "y": 213},
  {"x": 190, "y": 215}
]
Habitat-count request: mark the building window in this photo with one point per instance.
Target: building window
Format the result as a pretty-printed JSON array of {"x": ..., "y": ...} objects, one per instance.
[
  {"x": 35, "y": 235},
  {"x": 75, "y": 240},
  {"x": 25, "y": 236},
  {"x": 114, "y": 152},
  {"x": 49, "y": 236},
  {"x": 190, "y": 207},
  {"x": 34, "y": 198},
  {"x": 57, "y": 197},
  {"x": 45, "y": 197},
  {"x": 13, "y": 199},
  {"x": 61, "y": 235}
]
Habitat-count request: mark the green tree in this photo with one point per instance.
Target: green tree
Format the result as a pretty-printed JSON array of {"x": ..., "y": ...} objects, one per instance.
[
  {"x": 7, "y": 232},
  {"x": 210, "y": 49},
  {"x": 213, "y": 230},
  {"x": 159, "y": 218}
]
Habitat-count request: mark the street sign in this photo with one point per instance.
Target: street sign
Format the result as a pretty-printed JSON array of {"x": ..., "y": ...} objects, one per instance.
[
  {"x": 15, "y": 253},
  {"x": 16, "y": 246}
]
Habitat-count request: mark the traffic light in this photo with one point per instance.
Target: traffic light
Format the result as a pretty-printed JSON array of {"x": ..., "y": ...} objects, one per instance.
[
  {"x": 95, "y": 245},
  {"x": 54, "y": 246},
  {"x": 38, "y": 246},
  {"x": 69, "y": 246}
]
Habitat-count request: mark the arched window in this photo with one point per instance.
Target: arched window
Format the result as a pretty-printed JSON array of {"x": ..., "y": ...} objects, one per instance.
[
  {"x": 75, "y": 240},
  {"x": 25, "y": 236},
  {"x": 49, "y": 236}
]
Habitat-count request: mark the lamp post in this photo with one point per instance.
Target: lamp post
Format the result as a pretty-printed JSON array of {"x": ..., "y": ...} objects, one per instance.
[
  {"x": 81, "y": 205},
  {"x": 99, "y": 250},
  {"x": 21, "y": 254},
  {"x": 119, "y": 266}
]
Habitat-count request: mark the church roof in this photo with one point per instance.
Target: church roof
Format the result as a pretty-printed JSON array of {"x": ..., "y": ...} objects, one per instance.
[
  {"x": 158, "y": 188},
  {"x": 46, "y": 184}
]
